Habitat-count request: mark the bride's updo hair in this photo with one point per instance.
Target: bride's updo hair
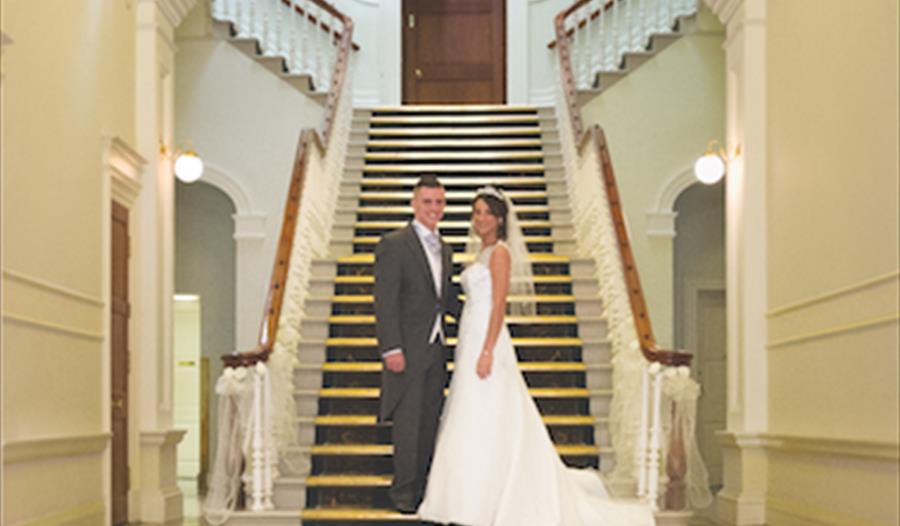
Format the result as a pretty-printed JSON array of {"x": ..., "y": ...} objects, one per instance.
[{"x": 498, "y": 209}]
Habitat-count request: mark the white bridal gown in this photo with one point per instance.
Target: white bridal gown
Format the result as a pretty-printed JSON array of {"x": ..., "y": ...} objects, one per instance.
[{"x": 495, "y": 463}]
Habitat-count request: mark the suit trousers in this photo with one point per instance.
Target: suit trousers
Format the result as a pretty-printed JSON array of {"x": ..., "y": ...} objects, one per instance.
[{"x": 415, "y": 425}]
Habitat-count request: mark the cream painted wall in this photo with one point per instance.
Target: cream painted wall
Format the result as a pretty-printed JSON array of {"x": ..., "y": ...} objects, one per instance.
[
  {"x": 832, "y": 200},
  {"x": 245, "y": 122},
  {"x": 658, "y": 119},
  {"x": 68, "y": 82}
]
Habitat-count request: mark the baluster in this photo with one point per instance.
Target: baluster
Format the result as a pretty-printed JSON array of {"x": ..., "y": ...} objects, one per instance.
[
  {"x": 617, "y": 35},
  {"x": 239, "y": 17},
  {"x": 676, "y": 466},
  {"x": 291, "y": 38},
  {"x": 579, "y": 47},
  {"x": 593, "y": 41},
  {"x": 601, "y": 38},
  {"x": 251, "y": 18},
  {"x": 316, "y": 46},
  {"x": 269, "y": 457},
  {"x": 655, "y": 433},
  {"x": 257, "y": 455},
  {"x": 644, "y": 428},
  {"x": 279, "y": 15},
  {"x": 641, "y": 32},
  {"x": 665, "y": 13},
  {"x": 303, "y": 38}
]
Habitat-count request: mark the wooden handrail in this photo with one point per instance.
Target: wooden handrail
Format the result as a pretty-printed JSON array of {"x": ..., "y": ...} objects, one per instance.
[
  {"x": 593, "y": 15},
  {"x": 314, "y": 20},
  {"x": 595, "y": 138},
  {"x": 309, "y": 138}
]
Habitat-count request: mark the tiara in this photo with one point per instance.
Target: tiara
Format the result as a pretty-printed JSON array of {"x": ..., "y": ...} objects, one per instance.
[{"x": 490, "y": 190}]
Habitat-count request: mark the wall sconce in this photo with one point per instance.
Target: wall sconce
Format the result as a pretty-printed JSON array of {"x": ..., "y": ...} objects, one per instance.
[
  {"x": 710, "y": 168},
  {"x": 188, "y": 165}
]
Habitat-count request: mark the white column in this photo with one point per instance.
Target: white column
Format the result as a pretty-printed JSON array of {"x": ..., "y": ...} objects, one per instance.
[
  {"x": 154, "y": 495},
  {"x": 742, "y": 500}
]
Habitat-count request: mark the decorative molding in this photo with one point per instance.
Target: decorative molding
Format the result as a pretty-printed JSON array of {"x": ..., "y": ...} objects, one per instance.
[
  {"x": 25, "y": 450},
  {"x": 545, "y": 96},
  {"x": 249, "y": 227},
  {"x": 815, "y": 445},
  {"x": 53, "y": 327},
  {"x": 833, "y": 446},
  {"x": 175, "y": 10},
  {"x": 124, "y": 166},
  {"x": 836, "y": 293},
  {"x": 233, "y": 188},
  {"x": 724, "y": 9},
  {"x": 661, "y": 217},
  {"x": 834, "y": 331},
  {"x": 661, "y": 224},
  {"x": 366, "y": 98},
  {"x": 55, "y": 289},
  {"x": 162, "y": 437}
]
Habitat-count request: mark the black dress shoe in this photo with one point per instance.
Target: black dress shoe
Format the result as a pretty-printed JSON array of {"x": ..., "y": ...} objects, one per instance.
[{"x": 405, "y": 508}]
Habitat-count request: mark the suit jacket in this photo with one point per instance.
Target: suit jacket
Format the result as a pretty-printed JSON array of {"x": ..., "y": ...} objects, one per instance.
[{"x": 406, "y": 305}]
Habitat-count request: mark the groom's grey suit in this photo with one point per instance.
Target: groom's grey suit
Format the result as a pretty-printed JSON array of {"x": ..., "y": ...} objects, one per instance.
[{"x": 406, "y": 306}]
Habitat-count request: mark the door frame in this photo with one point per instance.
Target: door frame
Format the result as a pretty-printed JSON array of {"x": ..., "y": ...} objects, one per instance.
[
  {"x": 122, "y": 169},
  {"x": 516, "y": 52}
]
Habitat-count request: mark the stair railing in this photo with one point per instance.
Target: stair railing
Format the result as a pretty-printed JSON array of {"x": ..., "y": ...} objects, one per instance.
[
  {"x": 646, "y": 378},
  {"x": 600, "y": 32},
  {"x": 256, "y": 405},
  {"x": 306, "y": 33}
]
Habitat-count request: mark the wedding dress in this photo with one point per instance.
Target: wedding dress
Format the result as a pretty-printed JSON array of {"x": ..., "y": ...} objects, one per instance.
[{"x": 495, "y": 463}]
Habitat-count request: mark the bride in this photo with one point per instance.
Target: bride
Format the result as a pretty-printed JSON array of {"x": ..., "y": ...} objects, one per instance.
[{"x": 495, "y": 463}]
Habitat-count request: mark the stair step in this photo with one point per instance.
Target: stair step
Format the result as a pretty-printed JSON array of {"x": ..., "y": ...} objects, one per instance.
[
  {"x": 455, "y": 143},
  {"x": 452, "y": 240},
  {"x": 453, "y": 156},
  {"x": 449, "y": 209},
  {"x": 443, "y": 225},
  {"x": 429, "y": 120},
  {"x": 537, "y": 280},
  {"x": 372, "y": 420},
  {"x": 378, "y": 481},
  {"x": 542, "y": 298},
  {"x": 342, "y": 515},
  {"x": 454, "y": 168},
  {"x": 518, "y": 342},
  {"x": 544, "y": 319},
  {"x": 469, "y": 131},
  {"x": 455, "y": 108},
  {"x": 525, "y": 367},
  {"x": 384, "y": 450},
  {"x": 467, "y": 195},
  {"x": 462, "y": 180},
  {"x": 375, "y": 392},
  {"x": 357, "y": 259}
]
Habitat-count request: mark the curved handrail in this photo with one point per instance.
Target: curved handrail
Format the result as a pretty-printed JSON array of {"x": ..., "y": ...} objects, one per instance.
[
  {"x": 309, "y": 138},
  {"x": 595, "y": 138}
]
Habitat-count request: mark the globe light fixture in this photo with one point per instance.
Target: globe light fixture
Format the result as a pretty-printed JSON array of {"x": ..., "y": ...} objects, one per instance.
[
  {"x": 188, "y": 167},
  {"x": 710, "y": 168}
]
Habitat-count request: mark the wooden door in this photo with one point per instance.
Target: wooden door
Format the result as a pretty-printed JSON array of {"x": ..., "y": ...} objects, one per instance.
[
  {"x": 454, "y": 51},
  {"x": 119, "y": 363}
]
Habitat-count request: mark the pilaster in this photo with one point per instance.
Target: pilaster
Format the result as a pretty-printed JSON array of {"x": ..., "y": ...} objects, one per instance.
[{"x": 742, "y": 500}]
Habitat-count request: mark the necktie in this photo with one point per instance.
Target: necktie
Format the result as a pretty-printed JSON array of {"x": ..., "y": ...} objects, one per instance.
[{"x": 433, "y": 242}]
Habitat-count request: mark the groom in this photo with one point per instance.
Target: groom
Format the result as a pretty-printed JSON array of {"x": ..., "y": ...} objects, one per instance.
[{"x": 413, "y": 291}]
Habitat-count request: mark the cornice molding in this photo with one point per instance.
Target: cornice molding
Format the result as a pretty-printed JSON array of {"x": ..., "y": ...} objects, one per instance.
[
  {"x": 162, "y": 437},
  {"x": 28, "y": 449},
  {"x": 124, "y": 166},
  {"x": 175, "y": 10},
  {"x": 724, "y": 9}
]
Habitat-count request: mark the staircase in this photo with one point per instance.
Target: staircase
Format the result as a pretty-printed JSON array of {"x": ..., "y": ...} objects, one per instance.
[{"x": 562, "y": 349}]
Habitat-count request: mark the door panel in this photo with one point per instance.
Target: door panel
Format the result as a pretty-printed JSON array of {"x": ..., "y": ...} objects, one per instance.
[
  {"x": 454, "y": 51},
  {"x": 119, "y": 363}
]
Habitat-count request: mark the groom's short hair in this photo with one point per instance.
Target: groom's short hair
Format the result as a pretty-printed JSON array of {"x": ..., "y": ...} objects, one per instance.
[{"x": 427, "y": 181}]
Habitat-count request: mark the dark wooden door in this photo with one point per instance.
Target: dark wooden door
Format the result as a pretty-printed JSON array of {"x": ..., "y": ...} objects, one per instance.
[
  {"x": 454, "y": 51},
  {"x": 119, "y": 366}
]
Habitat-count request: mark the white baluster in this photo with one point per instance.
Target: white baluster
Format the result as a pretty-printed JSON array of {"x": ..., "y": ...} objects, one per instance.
[
  {"x": 578, "y": 48},
  {"x": 269, "y": 454},
  {"x": 643, "y": 430},
  {"x": 252, "y": 19},
  {"x": 653, "y": 464},
  {"x": 602, "y": 37},
  {"x": 290, "y": 20},
  {"x": 256, "y": 452},
  {"x": 594, "y": 39},
  {"x": 666, "y": 14},
  {"x": 303, "y": 38}
]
